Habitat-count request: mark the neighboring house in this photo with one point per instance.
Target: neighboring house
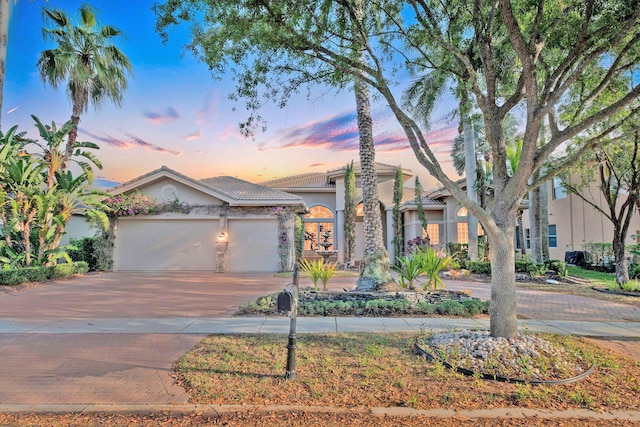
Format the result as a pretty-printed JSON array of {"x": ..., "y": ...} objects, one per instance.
[{"x": 573, "y": 222}]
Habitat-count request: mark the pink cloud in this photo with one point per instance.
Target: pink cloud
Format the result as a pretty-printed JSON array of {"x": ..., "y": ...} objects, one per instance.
[
  {"x": 132, "y": 142},
  {"x": 160, "y": 117},
  {"x": 194, "y": 136}
]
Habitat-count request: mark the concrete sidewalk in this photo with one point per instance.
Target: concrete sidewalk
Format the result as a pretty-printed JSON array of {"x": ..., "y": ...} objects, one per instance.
[{"x": 275, "y": 325}]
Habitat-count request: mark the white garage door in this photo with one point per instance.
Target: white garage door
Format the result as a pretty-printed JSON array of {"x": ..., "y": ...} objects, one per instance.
[
  {"x": 165, "y": 245},
  {"x": 253, "y": 245}
]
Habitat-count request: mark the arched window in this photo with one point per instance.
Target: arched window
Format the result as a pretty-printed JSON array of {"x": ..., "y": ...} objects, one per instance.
[
  {"x": 317, "y": 223},
  {"x": 463, "y": 211}
]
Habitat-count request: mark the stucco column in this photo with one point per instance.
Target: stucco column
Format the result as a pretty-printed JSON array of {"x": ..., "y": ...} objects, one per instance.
[
  {"x": 339, "y": 235},
  {"x": 390, "y": 235}
]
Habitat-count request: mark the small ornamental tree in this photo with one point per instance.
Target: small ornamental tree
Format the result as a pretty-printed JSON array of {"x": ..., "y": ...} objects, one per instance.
[
  {"x": 398, "y": 235},
  {"x": 421, "y": 215},
  {"x": 350, "y": 214}
]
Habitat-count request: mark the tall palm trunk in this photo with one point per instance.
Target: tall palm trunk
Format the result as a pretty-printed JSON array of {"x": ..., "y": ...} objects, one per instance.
[
  {"x": 73, "y": 134},
  {"x": 4, "y": 38},
  {"x": 375, "y": 264}
]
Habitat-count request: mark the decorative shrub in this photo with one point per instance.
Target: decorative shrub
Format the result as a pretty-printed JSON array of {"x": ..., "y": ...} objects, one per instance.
[
  {"x": 40, "y": 274},
  {"x": 83, "y": 250},
  {"x": 634, "y": 271},
  {"x": 560, "y": 267},
  {"x": 450, "y": 307},
  {"x": 478, "y": 267},
  {"x": 525, "y": 265}
]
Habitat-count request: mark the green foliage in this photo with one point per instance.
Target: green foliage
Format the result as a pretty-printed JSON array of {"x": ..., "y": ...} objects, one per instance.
[
  {"x": 525, "y": 265},
  {"x": 350, "y": 213},
  {"x": 634, "y": 271},
  {"x": 299, "y": 236},
  {"x": 478, "y": 267},
  {"x": 318, "y": 270},
  {"x": 560, "y": 267},
  {"x": 459, "y": 251},
  {"x": 17, "y": 276},
  {"x": 398, "y": 235},
  {"x": 450, "y": 307},
  {"x": 409, "y": 268},
  {"x": 421, "y": 262},
  {"x": 433, "y": 263},
  {"x": 418, "y": 199},
  {"x": 84, "y": 250}
]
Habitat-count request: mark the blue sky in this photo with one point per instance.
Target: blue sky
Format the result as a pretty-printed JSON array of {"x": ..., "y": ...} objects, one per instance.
[{"x": 175, "y": 114}]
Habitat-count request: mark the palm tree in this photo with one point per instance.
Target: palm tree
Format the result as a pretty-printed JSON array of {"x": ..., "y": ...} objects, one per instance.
[
  {"x": 87, "y": 59},
  {"x": 375, "y": 264}
]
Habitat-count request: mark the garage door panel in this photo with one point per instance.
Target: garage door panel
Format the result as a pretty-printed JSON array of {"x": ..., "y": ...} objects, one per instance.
[
  {"x": 165, "y": 245},
  {"x": 253, "y": 245}
]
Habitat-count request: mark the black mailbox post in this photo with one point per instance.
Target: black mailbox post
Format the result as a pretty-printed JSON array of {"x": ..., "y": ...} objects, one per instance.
[
  {"x": 288, "y": 303},
  {"x": 285, "y": 302}
]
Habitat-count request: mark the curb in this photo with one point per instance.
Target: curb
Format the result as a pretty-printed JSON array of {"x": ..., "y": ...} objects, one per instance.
[{"x": 495, "y": 413}]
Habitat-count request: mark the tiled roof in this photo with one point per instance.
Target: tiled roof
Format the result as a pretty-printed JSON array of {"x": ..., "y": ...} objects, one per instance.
[
  {"x": 380, "y": 167},
  {"x": 243, "y": 190},
  {"x": 426, "y": 201},
  {"x": 307, "y": 180}
]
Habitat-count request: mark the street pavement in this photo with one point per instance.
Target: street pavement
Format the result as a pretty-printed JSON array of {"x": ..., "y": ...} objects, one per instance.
[{"x": 111, "y": 338}]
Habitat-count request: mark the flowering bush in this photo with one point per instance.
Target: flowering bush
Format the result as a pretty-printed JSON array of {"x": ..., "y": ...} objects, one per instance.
[
  {"x": 131, "y": 204},
  {"x": 418, "y": 243},
  {"x": 135, "y": 203}
]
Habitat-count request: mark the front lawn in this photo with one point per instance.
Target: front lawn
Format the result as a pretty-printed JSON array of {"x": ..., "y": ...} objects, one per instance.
[{"x": 383, "y": 370}]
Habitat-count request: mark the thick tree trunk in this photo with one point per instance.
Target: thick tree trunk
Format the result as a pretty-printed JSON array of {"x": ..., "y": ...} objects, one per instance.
[
  {"x": 503, "y": 320},
  {"x": 622, "y": 272},
  {"x": 375, "y": 265}
]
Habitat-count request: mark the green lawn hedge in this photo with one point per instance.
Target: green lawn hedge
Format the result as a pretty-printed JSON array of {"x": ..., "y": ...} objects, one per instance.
[{"x": 40, "y": 274}]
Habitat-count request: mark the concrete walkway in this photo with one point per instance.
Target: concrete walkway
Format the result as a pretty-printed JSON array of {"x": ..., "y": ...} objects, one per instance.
[{"x": 110, "y": 339}]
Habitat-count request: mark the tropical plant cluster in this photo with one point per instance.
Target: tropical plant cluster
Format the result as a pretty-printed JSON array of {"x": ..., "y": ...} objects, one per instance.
[
  {"x": 420, "y": 269},
  {"x": 378, "y": 307},
  {"x": 40, "y": 194},
  {"x": 318, "y": 270}
]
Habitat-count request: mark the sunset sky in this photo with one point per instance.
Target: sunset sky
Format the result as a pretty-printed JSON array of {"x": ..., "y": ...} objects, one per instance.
[{"x": 175, "y": 114}]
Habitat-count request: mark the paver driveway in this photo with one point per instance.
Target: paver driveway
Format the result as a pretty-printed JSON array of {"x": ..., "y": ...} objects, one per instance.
[
  {"x": 112, "y": 368},
  {"x": 139, "y": 295}
]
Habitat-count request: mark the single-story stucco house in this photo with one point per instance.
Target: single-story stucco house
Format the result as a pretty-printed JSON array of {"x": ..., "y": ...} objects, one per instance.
[{"x": 238, "y": 226}]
